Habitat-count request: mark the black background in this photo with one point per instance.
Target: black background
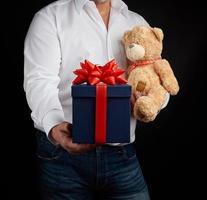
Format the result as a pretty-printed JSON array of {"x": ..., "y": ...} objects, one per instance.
[{"x": 171, "y": 149}]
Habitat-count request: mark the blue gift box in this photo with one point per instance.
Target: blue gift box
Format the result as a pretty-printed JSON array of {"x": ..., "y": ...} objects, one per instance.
[{"x": 118, "y": 113}]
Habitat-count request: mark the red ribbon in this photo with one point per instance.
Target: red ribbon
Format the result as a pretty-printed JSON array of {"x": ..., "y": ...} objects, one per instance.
[
  {"x": 101, "y": 76},
  {"x": 93, "y": 74},
  {"x": 141, "y": 63},
  {"x": 101, "y": 113}
]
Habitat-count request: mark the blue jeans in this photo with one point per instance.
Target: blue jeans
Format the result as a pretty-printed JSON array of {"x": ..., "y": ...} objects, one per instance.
[{"x": 113, "y": 173}]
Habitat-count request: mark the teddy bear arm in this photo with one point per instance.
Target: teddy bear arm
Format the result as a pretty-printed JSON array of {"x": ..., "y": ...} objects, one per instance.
[
  {"x": 167, "y": 77},
  {"x": 158, "y": 93}
]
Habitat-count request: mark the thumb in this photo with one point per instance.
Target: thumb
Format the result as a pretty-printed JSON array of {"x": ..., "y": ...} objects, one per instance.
[{"x": 66, "y": 127}]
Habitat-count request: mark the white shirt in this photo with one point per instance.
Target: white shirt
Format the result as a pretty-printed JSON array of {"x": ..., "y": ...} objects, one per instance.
[{"x": 61, "y": 35}]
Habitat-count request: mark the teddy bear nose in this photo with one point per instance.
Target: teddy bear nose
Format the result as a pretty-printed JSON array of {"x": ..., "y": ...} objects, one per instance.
[{"x": 131, "y": 46}]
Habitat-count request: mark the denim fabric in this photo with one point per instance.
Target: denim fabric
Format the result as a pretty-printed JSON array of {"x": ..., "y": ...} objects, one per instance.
[{"x": 112, "y": 172}]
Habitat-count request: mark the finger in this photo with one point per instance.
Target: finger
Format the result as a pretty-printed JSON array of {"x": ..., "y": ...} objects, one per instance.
[
  {"x": 66, "y": 128},
  {"x": 81, "y": 148},
  {"x": 90, "y": 146},
  {"x": 75, "y": 147},
  {"x": 66, "y": 141}
]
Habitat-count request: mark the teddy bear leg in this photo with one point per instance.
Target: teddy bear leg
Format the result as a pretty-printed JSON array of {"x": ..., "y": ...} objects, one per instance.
[{"x": 147, "y": 107}]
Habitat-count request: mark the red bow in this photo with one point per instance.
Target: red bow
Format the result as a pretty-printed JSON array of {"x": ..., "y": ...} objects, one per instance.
[{"x": 93, "y": 74}]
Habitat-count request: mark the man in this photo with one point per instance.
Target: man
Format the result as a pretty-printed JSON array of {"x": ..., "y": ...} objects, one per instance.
[{"x": 60, "y": 36}]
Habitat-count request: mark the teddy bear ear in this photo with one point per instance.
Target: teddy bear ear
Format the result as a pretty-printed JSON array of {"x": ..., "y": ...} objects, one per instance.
[
  {"x": 158, "y": 33},
  {"x": 126, "y": 36}
]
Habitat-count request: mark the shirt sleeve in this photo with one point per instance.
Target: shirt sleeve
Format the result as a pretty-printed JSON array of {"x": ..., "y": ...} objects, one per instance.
[
  {"x": 141, "y": 21},
  {"x": 42, "y": 58},
  {"x": 167, "y": 98}
]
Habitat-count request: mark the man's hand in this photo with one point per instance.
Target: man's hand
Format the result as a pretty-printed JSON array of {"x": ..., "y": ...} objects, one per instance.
[{"x": 61, "y": 134}]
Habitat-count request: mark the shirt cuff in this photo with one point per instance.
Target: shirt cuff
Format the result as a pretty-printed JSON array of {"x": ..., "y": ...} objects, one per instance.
[
  {"x": 167, "y": 98},
  {"x": 51, "y": 119}
]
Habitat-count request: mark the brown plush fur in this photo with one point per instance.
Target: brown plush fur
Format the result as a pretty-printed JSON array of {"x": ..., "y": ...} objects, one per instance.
[{"x": 154, "y": 80}]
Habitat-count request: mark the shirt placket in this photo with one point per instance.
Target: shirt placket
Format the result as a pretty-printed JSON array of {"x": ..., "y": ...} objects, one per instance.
[{"x": 94, "y": 14}]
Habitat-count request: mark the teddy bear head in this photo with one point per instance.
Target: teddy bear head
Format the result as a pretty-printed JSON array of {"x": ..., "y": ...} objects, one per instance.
[{"x": 143, "y": 43}]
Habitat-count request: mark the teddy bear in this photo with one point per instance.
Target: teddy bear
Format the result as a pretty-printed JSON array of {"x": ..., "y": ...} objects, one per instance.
[{"x": 150, "y": 76}]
